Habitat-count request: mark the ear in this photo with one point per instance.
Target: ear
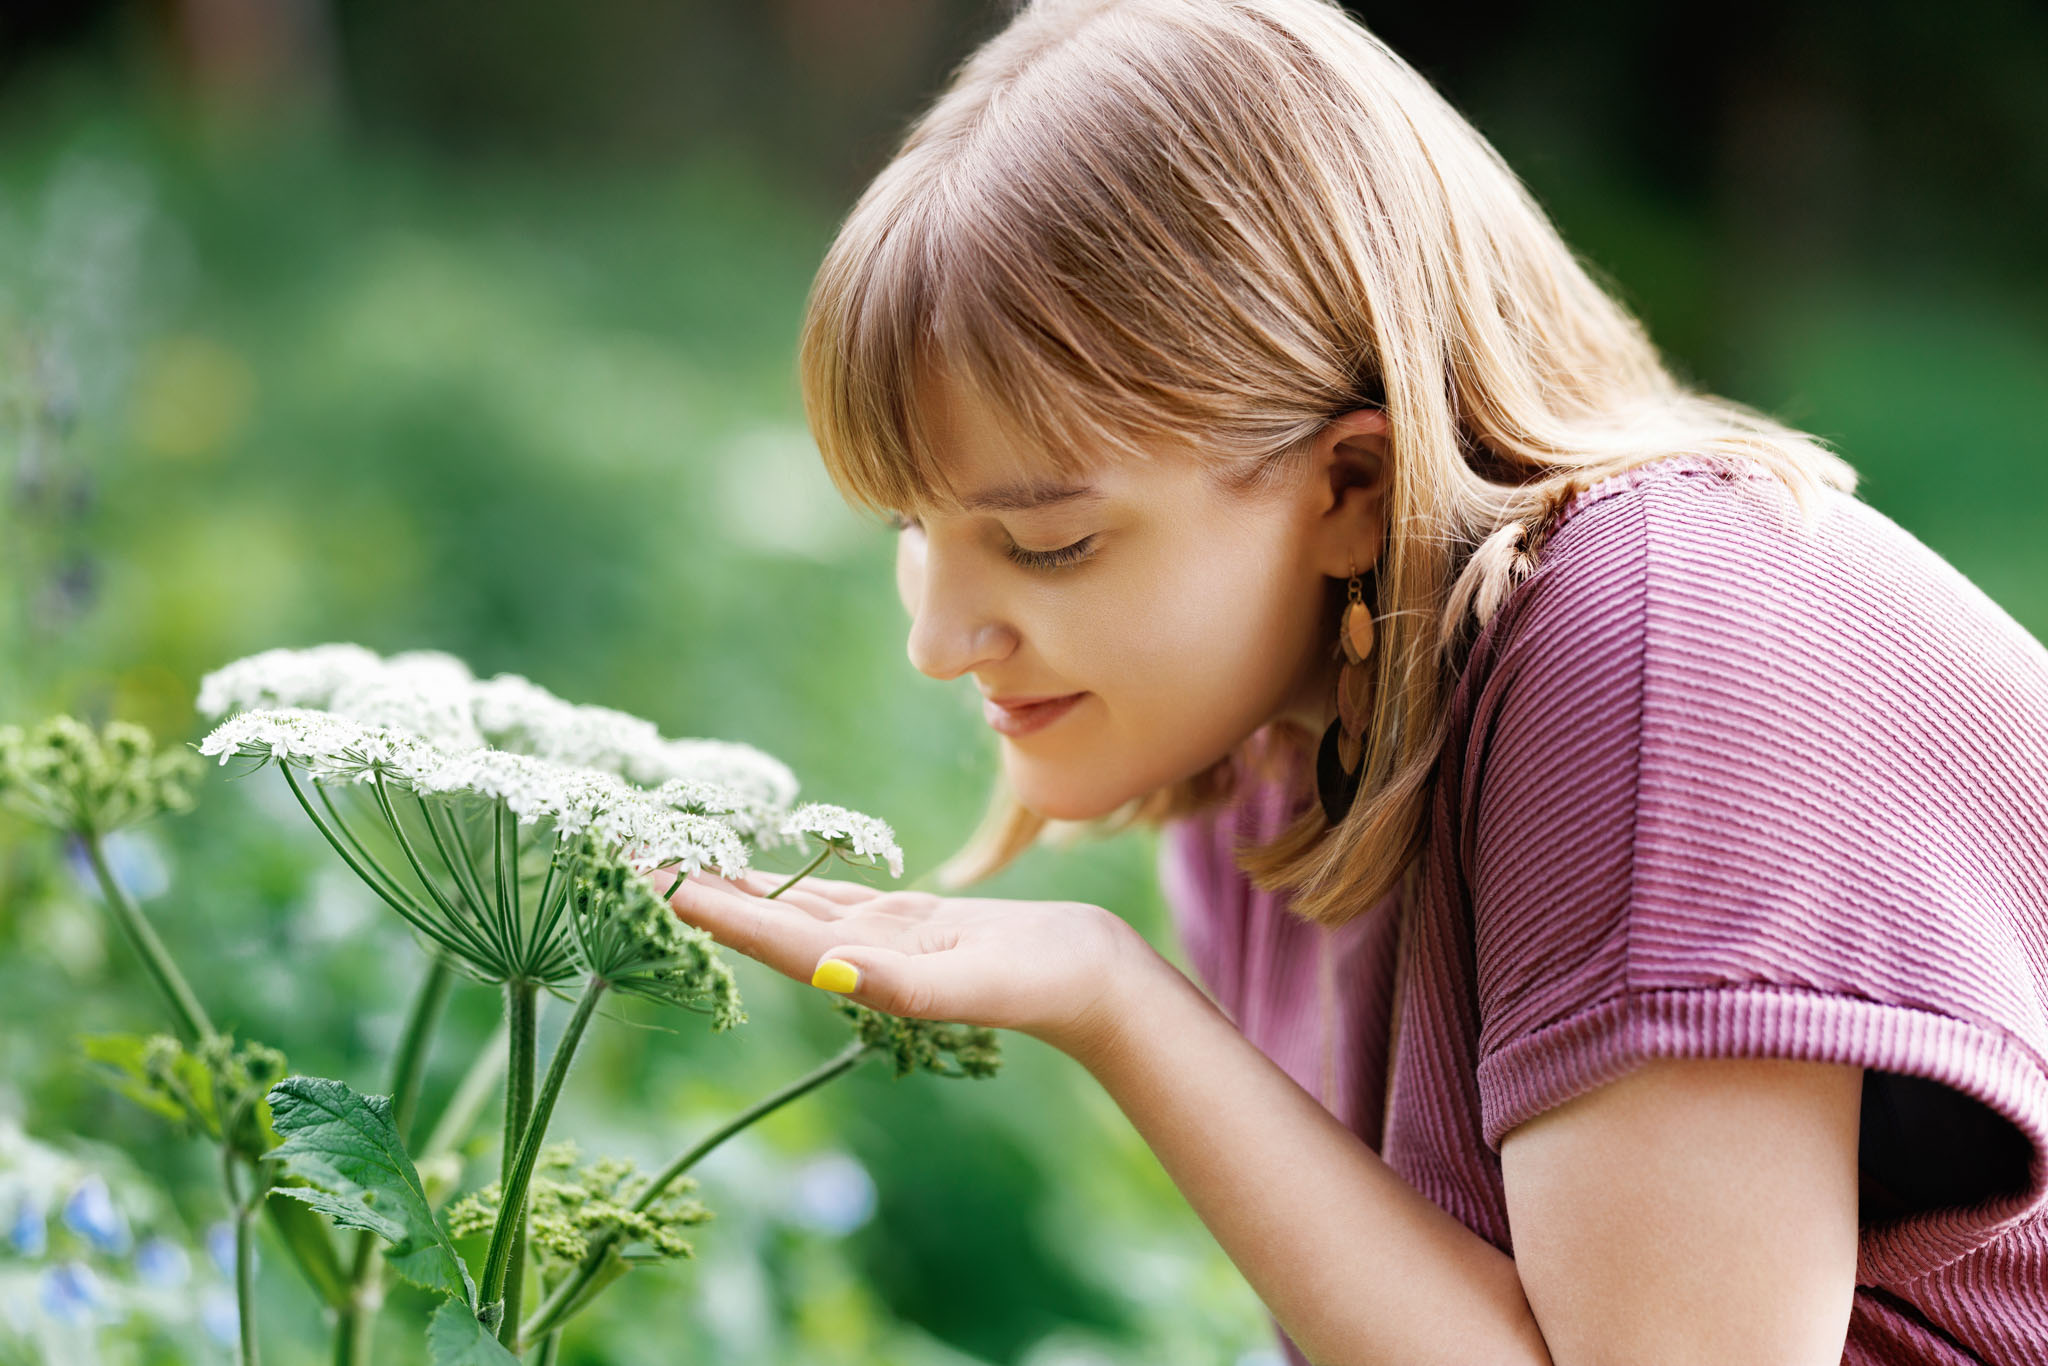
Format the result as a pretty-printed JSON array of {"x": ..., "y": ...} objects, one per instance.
[{"x": 1349, "y": 465}]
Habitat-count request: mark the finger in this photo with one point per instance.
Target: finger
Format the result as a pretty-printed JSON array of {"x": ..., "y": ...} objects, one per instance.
[
  {"x": 844, "y": 893},
  {"x": 937, "y": 985},
  {"x": 803, "y": 900},
  {"x": 786, "y": 938}
]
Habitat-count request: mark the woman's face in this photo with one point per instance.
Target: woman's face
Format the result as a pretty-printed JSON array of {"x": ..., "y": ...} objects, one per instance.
[{"x": 1177, "y": 617}]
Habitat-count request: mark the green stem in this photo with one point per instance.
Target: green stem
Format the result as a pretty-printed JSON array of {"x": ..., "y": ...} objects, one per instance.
[
  {"x": 512, "y": 1193},
  {"x": 550, "y": 1350},
  {"x": 408, "y": 1071},
  {"x": 191, "y": 1015},
  {"x": 505, "y": 863},
  {"x": 409, "y": 1066},
  {"x": 522, "y": 1059},
  {"x": 245, "y": 1255},
  {"x": 461, "y": 866},
  {"x": 357, "y": 854},
  {"x": 370, "y": 870},
  {"x": 809, "y": 868},
  {"x": 455, "y": 919},
  {"x": 552, "y": 1311}
]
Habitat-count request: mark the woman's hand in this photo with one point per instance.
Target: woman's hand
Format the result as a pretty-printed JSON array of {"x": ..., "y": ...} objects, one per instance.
[{"x": 1050, "y": 969}]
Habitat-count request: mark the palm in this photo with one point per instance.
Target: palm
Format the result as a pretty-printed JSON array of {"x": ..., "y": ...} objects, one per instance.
[{"x": 1042, "y": 967}]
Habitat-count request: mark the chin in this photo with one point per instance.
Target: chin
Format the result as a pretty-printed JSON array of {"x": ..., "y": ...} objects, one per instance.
[{"x": 1058, "y": 801}]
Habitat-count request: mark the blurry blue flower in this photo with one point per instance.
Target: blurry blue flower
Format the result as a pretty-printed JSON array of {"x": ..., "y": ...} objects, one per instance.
[
  {"x": 159, "y": 1261},
  {"x": 30, "y": 1233},
  {"x": 217, "y": 1314},
  {"x": 833, "y": 1194},
  {"x": 90, "y": 1213},
  {"x": 71, "y": 1292},
  {"x": 220, "y": 1245},
  {"x": 138, "y": 863}
]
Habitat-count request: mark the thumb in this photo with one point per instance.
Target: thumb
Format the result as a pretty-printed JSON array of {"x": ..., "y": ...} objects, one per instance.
[{"x": 881, "y": 979}]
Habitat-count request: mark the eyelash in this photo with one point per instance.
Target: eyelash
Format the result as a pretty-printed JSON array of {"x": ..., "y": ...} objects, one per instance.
[{"x": 1031, "y": 559}]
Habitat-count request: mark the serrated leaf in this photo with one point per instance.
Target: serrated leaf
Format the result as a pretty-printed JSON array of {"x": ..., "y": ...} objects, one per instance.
[
  {"x": 347, "y": 1150},
  {"x": 456, "y": 1338}
]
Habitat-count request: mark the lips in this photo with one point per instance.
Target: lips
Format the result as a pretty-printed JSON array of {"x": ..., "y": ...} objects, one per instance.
[{"x": 1022, "y": 714}]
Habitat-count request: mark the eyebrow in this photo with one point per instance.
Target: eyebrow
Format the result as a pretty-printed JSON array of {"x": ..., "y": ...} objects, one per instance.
[{"x": 1022, "y": 497}]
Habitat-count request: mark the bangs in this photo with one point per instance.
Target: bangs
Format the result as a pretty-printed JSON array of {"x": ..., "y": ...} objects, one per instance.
[{"x": 916, "y": 294}]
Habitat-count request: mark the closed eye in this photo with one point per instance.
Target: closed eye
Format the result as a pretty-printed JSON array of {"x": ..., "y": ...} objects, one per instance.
[
  {"x": 1030, "y": 559},
  {"x": 1052, "y": 559}
]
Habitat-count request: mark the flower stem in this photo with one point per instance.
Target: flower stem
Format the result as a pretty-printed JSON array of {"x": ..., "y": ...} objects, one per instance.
[
  {"x": 409, "y": 1066},
  {"x": 408, "y": 1069},
  {"x": 552, "y": 1311},
  {"x": 522, "y": 1059},
  {"x": 184, "y": 1004},
  {"x": 809, "y": 868},
  {"x": 455, "y": 919},
  {"x": 550, "y": 1350},
  {"x": 512, "y": 1191},
  {"x": 245, "y": 1254}
]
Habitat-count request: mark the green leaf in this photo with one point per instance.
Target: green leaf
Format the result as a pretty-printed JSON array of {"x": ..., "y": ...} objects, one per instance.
[
  {"x": 345, "y": 1147},
  {"x": 125, "y": 1054},
  {"x": 456, "y": 1338}
]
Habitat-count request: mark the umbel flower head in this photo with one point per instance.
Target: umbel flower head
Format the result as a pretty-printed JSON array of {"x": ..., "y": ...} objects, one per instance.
[
  {"x": 490, "y": 813},
  {"x": 572, "y": 1207},
  {"x": 68, "y": 776}
]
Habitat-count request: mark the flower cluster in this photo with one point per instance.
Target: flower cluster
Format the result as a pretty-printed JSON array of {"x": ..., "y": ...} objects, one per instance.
[
  {"x": 68, "y": 776},
  {"x": 910, "y": 1044},
  {"x": 215, "y": 1087},
  {"x": 853, "y": 836},
  {"x": 72, "y": 1260},
  {"x": 571, "y": 1208},
  {"x": 626, "y": 935},
  {"x": 434, "y": 697}
]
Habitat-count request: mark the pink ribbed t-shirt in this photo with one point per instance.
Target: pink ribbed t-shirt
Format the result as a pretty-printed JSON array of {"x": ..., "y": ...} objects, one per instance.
[{"x": 1715, "y": 788}]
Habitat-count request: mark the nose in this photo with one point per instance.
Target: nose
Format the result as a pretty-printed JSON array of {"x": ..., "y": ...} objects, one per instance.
[{"x": 954, "y": 628}]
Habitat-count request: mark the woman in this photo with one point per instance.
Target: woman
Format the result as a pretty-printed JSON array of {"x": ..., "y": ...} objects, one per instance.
[{"x": 1613, "y": 853}]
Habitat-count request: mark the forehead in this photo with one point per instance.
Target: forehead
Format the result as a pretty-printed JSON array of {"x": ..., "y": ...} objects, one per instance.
[{"x": 990, "y": 463}]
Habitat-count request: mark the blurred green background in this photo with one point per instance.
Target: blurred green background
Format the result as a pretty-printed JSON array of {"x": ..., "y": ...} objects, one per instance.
[{"x": 472, "y": 327}]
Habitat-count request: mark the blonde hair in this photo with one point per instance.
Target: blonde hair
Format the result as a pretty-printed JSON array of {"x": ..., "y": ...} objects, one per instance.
[{"x": 1128, "y": 220}]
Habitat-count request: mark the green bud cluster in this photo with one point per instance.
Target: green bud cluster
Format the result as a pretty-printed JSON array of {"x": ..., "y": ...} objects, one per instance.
[
  {"x": 626, "y": 934},
  {"x": 66, "y": 775},
  {"x": 570, "y": 1209},
  {"x": 216, "y": 1087},
  {"x": 911, "y": 1044}
]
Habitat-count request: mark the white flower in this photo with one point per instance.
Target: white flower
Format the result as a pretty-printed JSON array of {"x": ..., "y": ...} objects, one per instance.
[
  {"x": 649, "y": 835},
  {"x": 328, "y": 746},
  {"x": 436, "y": 709},
  {"x": 532, "y": 788},
  {"x": 518, "y": 714},
  {"x": 750, "y": 816},
  {"x": 847, "y": 831},
  {"x": 285, "y": 678},
  {"x": 726, "y": 763}
]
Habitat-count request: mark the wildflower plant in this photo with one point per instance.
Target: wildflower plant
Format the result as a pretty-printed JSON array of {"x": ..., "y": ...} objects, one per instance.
[{"x": 514, "y": 834}]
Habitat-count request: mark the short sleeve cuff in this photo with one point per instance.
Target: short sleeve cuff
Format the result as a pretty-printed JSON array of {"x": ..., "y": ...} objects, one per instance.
[{"x": 1541, "y": 1071}]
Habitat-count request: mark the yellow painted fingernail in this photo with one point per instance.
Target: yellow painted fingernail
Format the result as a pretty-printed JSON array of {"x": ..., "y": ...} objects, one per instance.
[{"x": 836, "y": 974}]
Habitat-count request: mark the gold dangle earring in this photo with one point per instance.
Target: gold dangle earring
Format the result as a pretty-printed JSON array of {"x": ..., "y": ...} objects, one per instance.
[{"x": 1337, "y": 760}]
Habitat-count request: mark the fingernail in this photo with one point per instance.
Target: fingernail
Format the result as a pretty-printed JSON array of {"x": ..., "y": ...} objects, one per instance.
[{"x": 836, "y": 974}]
